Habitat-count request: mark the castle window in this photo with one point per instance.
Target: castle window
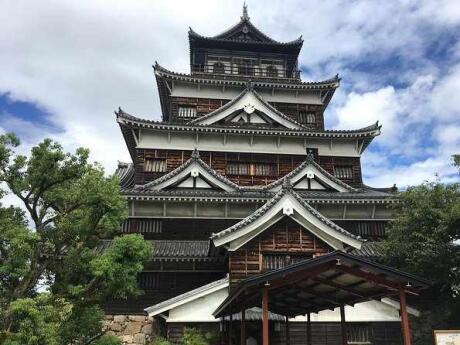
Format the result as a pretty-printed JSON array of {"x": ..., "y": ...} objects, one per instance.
[
  {"x": 155, "y": 165},
  {"x": 345, "y": 172},
  {"x": 359, "y": 334},
  {"x": 238, "y": 168},
  {"x": 264, "y": 169},
  {"x": 245, "y": 68},
  {"x": 271, "y": 71},
  {"x": 308, "y": 118},
  {"x": 251, "y": 169},
  {"x": 218, "y": 68},
  {"x": 148, "y": 281},
  {"x": 187, "y": 112}
]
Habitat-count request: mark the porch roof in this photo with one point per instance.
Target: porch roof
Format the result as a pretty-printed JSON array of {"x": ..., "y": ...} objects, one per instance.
[{"x": 321, "y": 283}]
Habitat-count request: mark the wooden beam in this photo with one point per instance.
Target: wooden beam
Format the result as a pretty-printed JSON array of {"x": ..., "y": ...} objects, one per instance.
[
  {"x": 377, "y": 279},
  {"x": 265, "y": 331},
  {"x": 343, "y": 325},
  {"x": 230, "y": 330},
  {"x": 404, "y": 317},
  {"x": 243, "y": 327},
  {"x": 339, "y": 286},
  {"x": 296, "y": 276},
  {"x": 288, "y": 336}
]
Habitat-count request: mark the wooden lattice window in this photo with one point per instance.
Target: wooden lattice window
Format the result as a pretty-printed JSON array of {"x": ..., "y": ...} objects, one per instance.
[
  {"x": 251, "y": 169},
  {"x": 308, "y": 118},
  {"x": 186, "y": 112},
  {"x": 148, "y": 281},
  {"x": 218, "y": 68},
  {"x": 359, "y": 334},
  {"x": 344, "y": 172},
  {"x": 155, "y": 165},
  {"x": 245, "y": 67},
  {"x": 272, "y": 71},
  {"x": 276, "y": 261}
]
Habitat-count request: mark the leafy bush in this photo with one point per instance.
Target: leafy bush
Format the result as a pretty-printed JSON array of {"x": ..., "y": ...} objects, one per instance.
[
  {"x": 107, "y": 340},
  {"x": 193, "y": 336},
  {"x": 159, "y": 341}
]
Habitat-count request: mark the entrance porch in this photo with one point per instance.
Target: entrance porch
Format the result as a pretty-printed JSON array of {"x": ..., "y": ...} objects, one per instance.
[{"x": 331, "y": 281}]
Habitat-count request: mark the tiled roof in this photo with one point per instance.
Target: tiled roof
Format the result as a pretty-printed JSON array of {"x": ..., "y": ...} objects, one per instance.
[
  {"x": 249, "y": 89},
  {"x": 287, "y": 189},
  {"x": 175, "y": 250},
  {"x": 309, "y": 161},
  {"x": 125, "y": 172},
  {"x": 195, "y": 158},
  {"x": 370, "y": 250},
  {"x": 126, "y": 119},
  {"x": 189, "y": 295},
  {"x": 331, "y": 83}
]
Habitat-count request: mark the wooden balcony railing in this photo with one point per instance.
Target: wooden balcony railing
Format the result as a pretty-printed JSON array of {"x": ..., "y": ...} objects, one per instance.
[{"x": 247, "y": 71}]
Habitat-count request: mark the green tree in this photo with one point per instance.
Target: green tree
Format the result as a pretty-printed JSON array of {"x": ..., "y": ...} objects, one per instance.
[
  {"x": 70, "y": 207},
  {"x": 424, "y": 239}
]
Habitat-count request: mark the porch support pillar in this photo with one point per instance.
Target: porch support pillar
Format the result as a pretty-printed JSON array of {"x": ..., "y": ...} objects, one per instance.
[
  {"x": 404, "y": 317},
  {"x": 265, "y": 331},
  {"x": 288, "y": 335},
  {"x": 343, "y": 325},
  {"x": 243, "y": 327},
  {"x": 308, "y": 329},
  {"x": 230, "y": 330}
]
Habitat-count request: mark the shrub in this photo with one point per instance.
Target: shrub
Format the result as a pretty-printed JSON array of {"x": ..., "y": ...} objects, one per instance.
[{"x": 193, "y": 336}]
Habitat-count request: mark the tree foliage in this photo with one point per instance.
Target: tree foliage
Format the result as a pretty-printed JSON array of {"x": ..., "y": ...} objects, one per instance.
[
  {"x": 424, "y": 239},
  {"x": 70, "y": 207}
]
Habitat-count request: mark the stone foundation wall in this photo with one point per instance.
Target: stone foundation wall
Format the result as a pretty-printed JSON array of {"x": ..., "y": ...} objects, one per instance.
[{"x": 131, "y": 329}]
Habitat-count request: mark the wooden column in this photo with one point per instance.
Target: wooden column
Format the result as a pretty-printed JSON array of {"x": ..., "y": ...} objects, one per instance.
[
  {"x": 288, "y": 335},
  {"x": 308, "y": 329},
  {"x": 404, "y": 317},
  {"x": 230, "y": 323},
  {"x": 243, "y": 327},
  {"x": 343, "y": 325},
  {"x": 265, "y": 331}
]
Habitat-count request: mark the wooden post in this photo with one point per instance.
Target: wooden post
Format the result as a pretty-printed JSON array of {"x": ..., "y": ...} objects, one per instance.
[
  {"x": 343, "y": 325},
  {"x": 308, "y": 329},
  {"x": 404, "y": 317},
  {"x": 265, "y": 332},
  {"x": 288, "y": 335},
  {"x": 243, "y": 327},
  {"x": 230, "y": 322}
]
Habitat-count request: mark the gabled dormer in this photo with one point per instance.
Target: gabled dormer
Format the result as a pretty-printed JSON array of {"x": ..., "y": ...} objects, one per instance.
[
  {"x": 192, "y": 175},
  {"x": 248, "y": 109}
]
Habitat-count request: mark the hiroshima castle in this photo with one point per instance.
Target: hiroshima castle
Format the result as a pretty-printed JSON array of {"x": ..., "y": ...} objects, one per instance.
[{"x": 262, "y": 228}]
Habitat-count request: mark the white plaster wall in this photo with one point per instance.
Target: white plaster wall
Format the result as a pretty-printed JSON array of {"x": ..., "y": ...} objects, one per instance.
[
  {"x": 362, "y": 312},
  {"x": 153, "y": 139},
  {"x": 199, "y": 310},
  {"x": 217, "y": 92}
]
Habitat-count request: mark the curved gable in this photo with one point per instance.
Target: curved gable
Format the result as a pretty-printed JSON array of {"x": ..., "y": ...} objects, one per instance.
[{"x": 248, "y": 108}]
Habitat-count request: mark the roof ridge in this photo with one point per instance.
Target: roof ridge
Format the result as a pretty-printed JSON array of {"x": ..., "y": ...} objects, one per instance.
[{"x": 161, "y": 69}]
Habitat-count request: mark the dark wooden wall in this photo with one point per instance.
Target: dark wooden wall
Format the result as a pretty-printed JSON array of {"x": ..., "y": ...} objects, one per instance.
[
  {"x": 206, "y": 105},
  {"x": 323, "y": 333},
  {"x": 219, "y": 160},
  {"x": 285, "y": 237},
  {"x": 170, "y": 285}
]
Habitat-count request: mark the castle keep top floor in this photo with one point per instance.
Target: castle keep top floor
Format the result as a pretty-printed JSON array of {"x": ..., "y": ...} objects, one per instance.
[{"x": 222, "y": 65}]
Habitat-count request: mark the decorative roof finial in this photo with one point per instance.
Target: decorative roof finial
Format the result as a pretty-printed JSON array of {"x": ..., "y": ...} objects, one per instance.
[
  {"x": 195, "y": 153},
  {"x": 245, "y": 12}
]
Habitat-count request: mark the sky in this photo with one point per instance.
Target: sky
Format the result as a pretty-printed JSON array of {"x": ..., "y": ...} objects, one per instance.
[{"x": 67, "y": 65}]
